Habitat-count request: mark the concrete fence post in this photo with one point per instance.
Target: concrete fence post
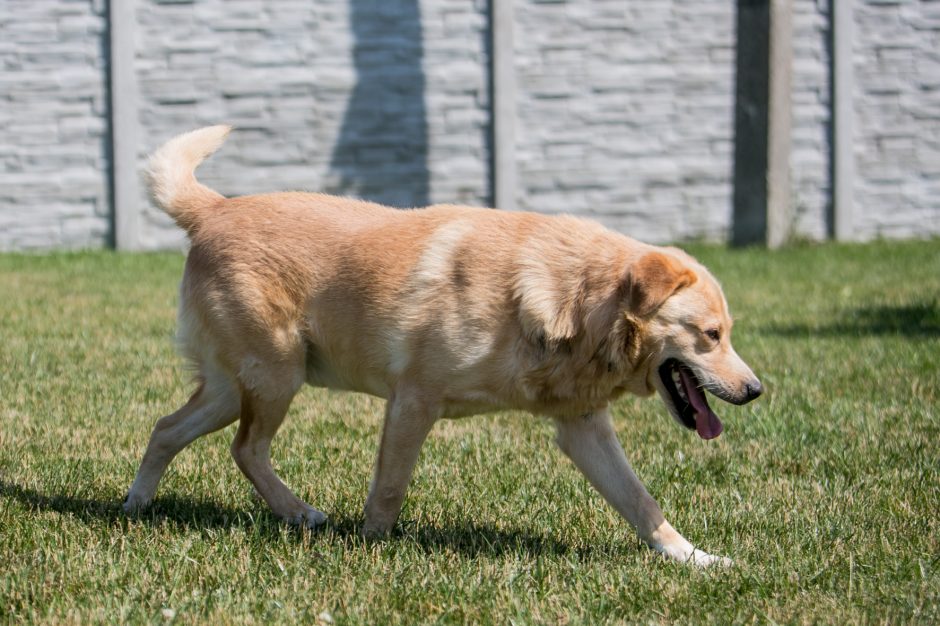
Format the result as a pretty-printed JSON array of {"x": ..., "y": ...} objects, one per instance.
[
  {"x": 125, "y": 184},
  {"x": 843, "y": 79},
  {"x": 779, "y": 203},
  {"x": 503, "y": 73},
  {"x": 762, "y": 205}
]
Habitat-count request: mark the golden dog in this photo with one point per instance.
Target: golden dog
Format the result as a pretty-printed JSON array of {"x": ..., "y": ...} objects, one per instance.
[{"x": 445, "y": 311}]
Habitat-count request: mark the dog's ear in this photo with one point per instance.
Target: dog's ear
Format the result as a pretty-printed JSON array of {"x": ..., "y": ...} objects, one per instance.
[{"x": 650, "y": 281}]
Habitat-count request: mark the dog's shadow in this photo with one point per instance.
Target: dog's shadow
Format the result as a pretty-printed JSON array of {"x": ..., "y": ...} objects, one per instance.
[
  {"x": 180, "y": 511},
  {"x": 469, "y": 539}
]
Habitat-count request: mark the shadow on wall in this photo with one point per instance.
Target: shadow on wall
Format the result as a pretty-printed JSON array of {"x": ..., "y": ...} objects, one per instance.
[{"x": 382, "y": 150}]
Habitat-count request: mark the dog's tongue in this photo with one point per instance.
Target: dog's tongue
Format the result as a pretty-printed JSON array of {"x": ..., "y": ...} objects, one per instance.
[{"x": 707, "y": 423}]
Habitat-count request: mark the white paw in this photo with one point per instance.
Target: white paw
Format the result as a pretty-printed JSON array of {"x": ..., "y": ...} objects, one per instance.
[
  {"x": 374, "y": 531},
  {"x": 309, "y": 517},
  {"x": 134, "y": 504},
  {"x": 685, "y": 553},
  {"x": 704, "y": 559}
]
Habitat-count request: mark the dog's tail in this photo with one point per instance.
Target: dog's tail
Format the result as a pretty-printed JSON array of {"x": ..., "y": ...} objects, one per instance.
[{"x": 170, "y": 174}]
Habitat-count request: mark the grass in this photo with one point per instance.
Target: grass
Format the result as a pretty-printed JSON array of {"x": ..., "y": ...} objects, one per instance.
[{"x": 826, "y": 491}]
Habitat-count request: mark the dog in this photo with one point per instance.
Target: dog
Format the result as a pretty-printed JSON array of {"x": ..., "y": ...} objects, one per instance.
[{"x": 446, "y": 311}]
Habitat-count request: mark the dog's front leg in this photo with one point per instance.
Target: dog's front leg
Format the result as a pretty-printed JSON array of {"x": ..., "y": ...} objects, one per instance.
[
  {"x": 591, "y": 443},
  {"x": 408, "y": 420}
]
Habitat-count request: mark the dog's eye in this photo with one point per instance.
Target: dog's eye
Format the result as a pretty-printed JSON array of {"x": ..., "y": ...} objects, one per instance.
[{"x": 714, "y": 334}]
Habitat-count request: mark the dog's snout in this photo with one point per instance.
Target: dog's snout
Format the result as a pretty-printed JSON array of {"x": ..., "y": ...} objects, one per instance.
[{"x": 752, "y": 390}]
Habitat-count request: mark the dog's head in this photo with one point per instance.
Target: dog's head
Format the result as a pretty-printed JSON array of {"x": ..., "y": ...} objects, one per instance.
[{"x": 686, "y": 337}]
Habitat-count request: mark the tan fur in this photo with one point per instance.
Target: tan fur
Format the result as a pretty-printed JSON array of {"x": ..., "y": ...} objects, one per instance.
[{"x": 445, "y": 311}]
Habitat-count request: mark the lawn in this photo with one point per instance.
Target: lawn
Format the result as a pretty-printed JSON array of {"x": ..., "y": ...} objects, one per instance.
[{"x": 825, "y": 491}]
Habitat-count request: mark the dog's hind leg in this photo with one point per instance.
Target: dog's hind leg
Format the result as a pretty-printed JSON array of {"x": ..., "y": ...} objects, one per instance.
[
  {"x": 590, "y": 441},
  {"x": 408, "y": 420},
  {"x": 214, "y": 405},
  {"x": 265, "y": 400}
]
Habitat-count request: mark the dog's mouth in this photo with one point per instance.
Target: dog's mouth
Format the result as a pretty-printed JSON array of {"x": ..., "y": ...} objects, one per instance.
[{"x": 687, "y": 399}]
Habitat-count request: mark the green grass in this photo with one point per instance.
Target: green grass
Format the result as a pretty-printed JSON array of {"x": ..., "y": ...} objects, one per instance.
[{"x": 826, "y": 491}]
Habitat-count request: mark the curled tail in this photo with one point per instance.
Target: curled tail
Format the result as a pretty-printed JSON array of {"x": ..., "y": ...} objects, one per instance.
[{"x": 170, "y": 174}]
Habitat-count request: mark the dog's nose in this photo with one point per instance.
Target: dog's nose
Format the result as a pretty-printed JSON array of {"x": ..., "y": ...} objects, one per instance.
[{"x": 752, "y": 390}]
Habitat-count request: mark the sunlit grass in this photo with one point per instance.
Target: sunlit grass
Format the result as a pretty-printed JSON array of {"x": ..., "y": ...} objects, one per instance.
[{"x": 826, "y": 491}]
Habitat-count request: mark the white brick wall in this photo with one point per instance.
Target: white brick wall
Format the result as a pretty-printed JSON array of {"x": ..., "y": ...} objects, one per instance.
[
  {"x": 386, "y": 101},
  {"x": 625, "y": 113},
  {"x": 625, "y": 109},
  {"x": 811, "y": 134},
  {"x": 897, "y": 148},
  {"x": 53, "y": 126}
]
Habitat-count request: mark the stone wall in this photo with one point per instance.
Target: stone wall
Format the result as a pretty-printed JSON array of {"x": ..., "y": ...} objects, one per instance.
[
  {"x": 811, "y": 134},
  {"x": 897, "y": 118},
  {"x": 625, "y": 113},
  {"x": 624, "y": 110},
  {"x": 53, "y": 125},
  {"x": 385, "y": 100}
]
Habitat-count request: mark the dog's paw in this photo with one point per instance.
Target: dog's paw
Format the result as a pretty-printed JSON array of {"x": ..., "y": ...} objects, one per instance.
[
  {"x": 692, "y": 556},
  {"x": 307, "y": 517},
  {"x": 374, "y": 530},
  {"x": 134, "y": 504},
  {"x": 704, "y": 559}
]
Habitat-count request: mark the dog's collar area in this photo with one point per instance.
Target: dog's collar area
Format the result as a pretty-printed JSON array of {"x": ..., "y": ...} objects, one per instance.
[{"x": 688, "y": 399}]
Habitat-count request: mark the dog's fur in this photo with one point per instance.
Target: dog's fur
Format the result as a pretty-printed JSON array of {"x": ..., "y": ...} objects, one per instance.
[{"x": 445, "y": 311}]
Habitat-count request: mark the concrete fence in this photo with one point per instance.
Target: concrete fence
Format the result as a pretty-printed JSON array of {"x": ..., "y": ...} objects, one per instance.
[{"x": 621, "y": 110}]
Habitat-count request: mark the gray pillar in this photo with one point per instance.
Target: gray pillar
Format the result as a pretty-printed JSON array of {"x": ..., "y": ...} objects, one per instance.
[
  {"x": 779, "y": 213},
  {"x": 125, "y": 184},
  {"x": 762, "y": 212},
  {"x": 843, "y": 80},
  {"x": 504, "y": 105}
]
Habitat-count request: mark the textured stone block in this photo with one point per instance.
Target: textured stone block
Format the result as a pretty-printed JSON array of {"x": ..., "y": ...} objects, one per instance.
[{"x": 624, "y": 110}]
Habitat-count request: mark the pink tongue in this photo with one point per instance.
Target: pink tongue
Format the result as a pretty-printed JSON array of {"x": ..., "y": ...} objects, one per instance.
[{"x": 707, "y": 423}]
